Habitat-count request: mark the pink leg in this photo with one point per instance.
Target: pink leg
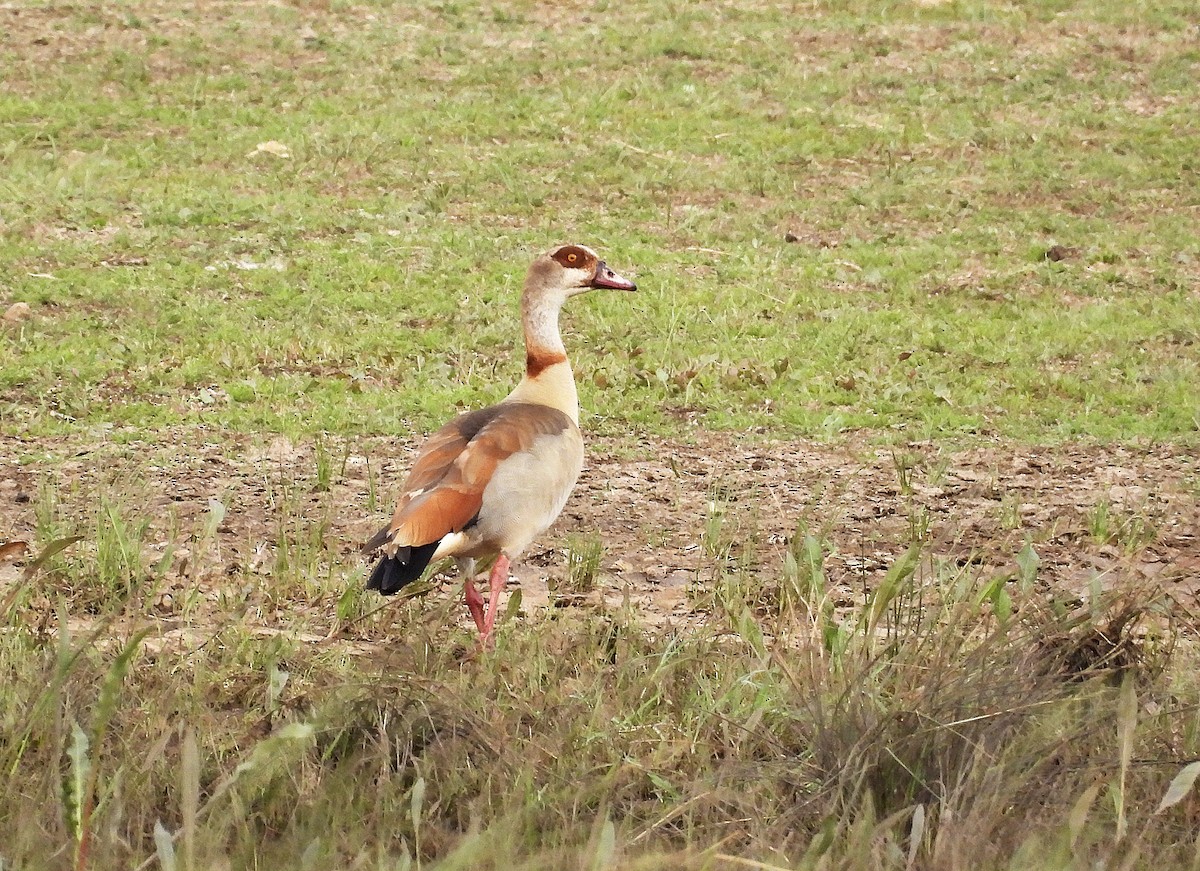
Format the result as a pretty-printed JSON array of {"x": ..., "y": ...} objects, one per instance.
[
  {"x": 474, "y": 601},
  {"x": 496, "y": 582}
]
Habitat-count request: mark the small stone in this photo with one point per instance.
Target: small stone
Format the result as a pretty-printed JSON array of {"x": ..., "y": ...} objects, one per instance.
[{"x": 18, "y": 312}]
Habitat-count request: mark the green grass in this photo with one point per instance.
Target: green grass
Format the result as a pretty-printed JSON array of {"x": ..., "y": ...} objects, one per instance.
[
  {"x": 924, "y": 158},
  {"x": 839, "y": 216}
]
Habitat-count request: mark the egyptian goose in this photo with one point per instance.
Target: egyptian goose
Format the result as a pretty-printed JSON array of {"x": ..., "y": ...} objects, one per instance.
[{"x": 490, "y": 481}]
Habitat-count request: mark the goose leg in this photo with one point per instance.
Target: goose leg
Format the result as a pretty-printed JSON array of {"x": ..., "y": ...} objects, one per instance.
[
  {"x": 496, "y": 582},
  {"x": 466, "y": 568}
]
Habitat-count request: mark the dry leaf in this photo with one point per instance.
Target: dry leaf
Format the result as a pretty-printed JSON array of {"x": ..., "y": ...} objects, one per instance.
[{"x": 13, "y": 550}]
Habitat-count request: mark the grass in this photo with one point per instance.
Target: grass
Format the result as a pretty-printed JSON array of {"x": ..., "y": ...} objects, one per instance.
[
  {"x": 926, "y": 726},
  {"x": 253, "y": 237},
  {"x": 925, "y": 160}
]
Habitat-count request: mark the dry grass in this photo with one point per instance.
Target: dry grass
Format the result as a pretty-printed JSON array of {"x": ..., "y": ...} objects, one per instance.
[{"x": 923, "y": 729}]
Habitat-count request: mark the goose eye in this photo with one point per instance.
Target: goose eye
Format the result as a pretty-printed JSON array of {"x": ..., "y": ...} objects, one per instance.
[{"x": 572, "y": 257}]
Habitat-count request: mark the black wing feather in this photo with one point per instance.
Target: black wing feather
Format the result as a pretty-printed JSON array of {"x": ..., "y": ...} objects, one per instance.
[{"x": 392, "y": 573}]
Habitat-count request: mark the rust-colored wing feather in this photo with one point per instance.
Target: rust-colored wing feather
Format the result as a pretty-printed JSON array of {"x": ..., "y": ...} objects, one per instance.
[{"x": 444, "y": 490}]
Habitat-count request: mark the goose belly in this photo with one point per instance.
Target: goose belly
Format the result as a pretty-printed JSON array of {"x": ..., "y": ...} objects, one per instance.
[{"x": 528, "y": 491}]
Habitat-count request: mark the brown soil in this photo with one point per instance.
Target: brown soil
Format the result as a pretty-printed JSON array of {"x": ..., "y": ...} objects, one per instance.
[{"x": 670, "y": 515}]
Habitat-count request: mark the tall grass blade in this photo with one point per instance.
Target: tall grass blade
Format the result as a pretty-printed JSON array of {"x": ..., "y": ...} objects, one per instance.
[
  {"x": 1077, "y": 818},
  {"x": 85, "y": 790},
  {"x": 606, "y": 847},
  {"x": 267, "y": 755},
  {"x": 753, "y": 864},
  {"x": 55, "y": 547},
  {"x": 916, "y": 835},
  {"x": 995, "y": 592},
  {"x": 311, "y": 855},
  {"x": 34, "y": 567},
  {"x": 513, "y": 606},
  {"x": 1127, "y": 705},
  {"x": 75, "y": 782},
  {"x": 189, "y": 796},
  {"x": 267, "y": 751},
  {"x": 276, "y": 682},
  {"x": 1027, "y": 566},
  {"x": 164, "y": 847},
  {"x": 1181, "y": 784},
  {"x": 822, "y": 842},
  {"x": 415, "y": 803},
  {"x": 110, "y": 690},
  {"x": 892, "y": 585}
]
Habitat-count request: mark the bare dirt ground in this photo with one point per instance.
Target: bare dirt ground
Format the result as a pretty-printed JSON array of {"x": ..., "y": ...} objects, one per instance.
[{"x": 665, "y": 511}]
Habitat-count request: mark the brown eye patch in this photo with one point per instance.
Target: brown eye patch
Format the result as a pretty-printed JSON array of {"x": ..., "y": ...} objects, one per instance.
[{"x": 574, "y": 257}]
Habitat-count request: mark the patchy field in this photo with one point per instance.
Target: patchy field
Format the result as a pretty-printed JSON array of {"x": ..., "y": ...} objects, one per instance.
[
  {"x": 663, "y": 519},
  {"x": 723, "y": 637},
  {"x": 887, "y": 552}
]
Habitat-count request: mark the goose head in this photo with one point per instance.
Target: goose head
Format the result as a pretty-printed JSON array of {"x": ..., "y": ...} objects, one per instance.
[{"x": 569, "y": 270}]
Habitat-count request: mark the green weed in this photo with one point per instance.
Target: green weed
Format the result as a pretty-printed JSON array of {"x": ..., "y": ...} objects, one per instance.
[
  {"x": 1129, "y": 529},
  {"x": 1010, "y": 511},
  {"x": 583, "y": 563}
]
